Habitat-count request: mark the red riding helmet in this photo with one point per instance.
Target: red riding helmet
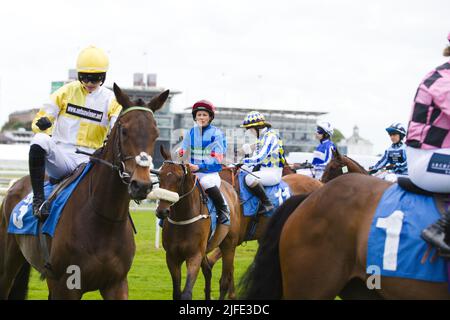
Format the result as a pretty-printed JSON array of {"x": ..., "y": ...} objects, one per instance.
[{"x": 203, "y": 105}]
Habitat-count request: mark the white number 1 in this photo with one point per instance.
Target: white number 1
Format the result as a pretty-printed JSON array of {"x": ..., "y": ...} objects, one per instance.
[{"x": 393, "y": 226}]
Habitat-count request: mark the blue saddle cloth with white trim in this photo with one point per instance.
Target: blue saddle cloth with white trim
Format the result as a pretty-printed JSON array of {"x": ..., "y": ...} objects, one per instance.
[
  {"x": 277, "y": 194},
  {"x": 394, "y": 246},
  {"x": 23, "y": 221}
]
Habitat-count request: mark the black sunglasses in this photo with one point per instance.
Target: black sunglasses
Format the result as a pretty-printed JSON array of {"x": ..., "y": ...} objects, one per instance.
[{"x": 91, "y": 77}]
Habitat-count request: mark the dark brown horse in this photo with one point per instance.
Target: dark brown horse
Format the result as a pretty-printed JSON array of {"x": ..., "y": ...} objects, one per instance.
[
  {"x": 339, "y": 165},
  {"x": 317, "y": 248},
  {"x": 186, "y": 230},
  {"x": 94, "y": 234}
]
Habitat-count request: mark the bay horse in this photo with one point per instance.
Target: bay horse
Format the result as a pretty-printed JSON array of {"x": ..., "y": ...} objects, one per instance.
[
  {"x": 339, "y": 165},
  {"x": 317, "y": 248},
  {"x": 94, "y": 232},
  {"x": 186, "y": 230},
  {"x": 298, "y": 184}
]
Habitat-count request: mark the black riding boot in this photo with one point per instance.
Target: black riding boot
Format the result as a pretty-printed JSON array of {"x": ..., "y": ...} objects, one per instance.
[
  {"x": 438, "y": 234},
  {"x": 36, "y": 163},
  {"x": 223, "y": 212},
  {"x": 259, "y": 191}
]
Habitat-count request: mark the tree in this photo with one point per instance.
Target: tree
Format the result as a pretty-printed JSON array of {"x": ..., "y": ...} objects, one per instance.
[{"x": 337, "y": 136}]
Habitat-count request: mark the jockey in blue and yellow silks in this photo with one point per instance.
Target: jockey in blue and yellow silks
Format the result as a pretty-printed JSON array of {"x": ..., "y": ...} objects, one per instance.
[
  {"x": 267, "y": 160},
  {"x": 205, "y": 146},
  {"x": 323, "y": 153}
]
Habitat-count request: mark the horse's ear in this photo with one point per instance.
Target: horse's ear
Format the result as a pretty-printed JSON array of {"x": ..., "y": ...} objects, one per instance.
[
  {"x": 158, "y": 102},
  {"x": 336, "y": 154},
  {"x": 121, "y": 97},
  {"x": 164, "y": 153}
]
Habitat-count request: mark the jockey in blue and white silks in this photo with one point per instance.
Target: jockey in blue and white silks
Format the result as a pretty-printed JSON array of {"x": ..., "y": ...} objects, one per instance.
[
  {"x": 395, "y": 155},
  {"x": 267, "y": 160},
  {"x": 323, "y": 153},
  {"x": 205, "y": 146}
]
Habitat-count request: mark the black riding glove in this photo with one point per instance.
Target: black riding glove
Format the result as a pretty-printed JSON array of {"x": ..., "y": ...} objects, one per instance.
[{"x": 43, "y": 123}]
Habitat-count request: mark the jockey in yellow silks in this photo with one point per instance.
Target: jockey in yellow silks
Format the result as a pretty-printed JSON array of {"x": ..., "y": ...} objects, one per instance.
[{"x": 78, "y": 115}]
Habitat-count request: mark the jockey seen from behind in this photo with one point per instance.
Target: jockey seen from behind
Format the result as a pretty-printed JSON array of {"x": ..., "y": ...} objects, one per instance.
[{"x": 428, "y": 146}]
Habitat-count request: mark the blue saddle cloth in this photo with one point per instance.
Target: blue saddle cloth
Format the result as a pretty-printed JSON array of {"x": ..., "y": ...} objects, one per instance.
[
  {"x": 395, "y": 246},
  {"x": 277, "y": 194},
  {"x": 23, "y": 221}
]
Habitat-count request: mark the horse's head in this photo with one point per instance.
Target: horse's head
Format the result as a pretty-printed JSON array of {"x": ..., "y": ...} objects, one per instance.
[
  {"x": 173, "y": 177},
  {"x": 340, "y": 165},
  {"x": 336, "y": 167},
  {"x": 133, "y": 138}
]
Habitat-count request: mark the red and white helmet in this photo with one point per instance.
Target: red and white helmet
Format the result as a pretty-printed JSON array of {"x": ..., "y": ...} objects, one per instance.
[{"x": 203, "y": 105}]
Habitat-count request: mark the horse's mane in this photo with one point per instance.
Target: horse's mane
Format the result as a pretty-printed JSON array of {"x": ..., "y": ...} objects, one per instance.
[{"x": 357, "y": 164}]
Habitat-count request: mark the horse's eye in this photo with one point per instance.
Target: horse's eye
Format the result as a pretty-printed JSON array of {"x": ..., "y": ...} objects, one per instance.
[{"x": 124, "y": 131}]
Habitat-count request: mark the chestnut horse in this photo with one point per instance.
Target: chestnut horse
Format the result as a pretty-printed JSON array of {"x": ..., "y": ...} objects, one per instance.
[
  {"x": 186, "y": 230},
  {"x": 317, "y": 248},
  {"x": 94, "y": 232},
  {"x": 339, "y": 165}
]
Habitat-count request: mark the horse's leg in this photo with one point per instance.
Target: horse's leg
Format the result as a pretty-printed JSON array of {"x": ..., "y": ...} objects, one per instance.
[
  {"x": 11, "y": 261},
  {"x": 193, "y": 267},
  {"x": 227, "y": 280},
  {"x": 58, "y": 290},
  {"x": 117, "y": 291},
  {"x": 207, "y": 273},
  {"x": 174, "y": 266}
]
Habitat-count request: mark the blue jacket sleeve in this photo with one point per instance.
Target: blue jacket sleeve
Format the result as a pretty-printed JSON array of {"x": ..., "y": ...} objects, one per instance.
[{"x": 380, "y": 164}]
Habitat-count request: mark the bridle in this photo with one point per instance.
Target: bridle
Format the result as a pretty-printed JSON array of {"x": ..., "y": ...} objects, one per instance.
[
  {"x": 185, "y": 172},
  {"x": 203, "y": 197},
  {"x": 143, "y": 159}
]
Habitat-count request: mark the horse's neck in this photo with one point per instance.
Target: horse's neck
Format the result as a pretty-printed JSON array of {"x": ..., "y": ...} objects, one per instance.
[
  {"x": 189, "y": 206},
  {"x": 354, "y": 167},
  {"x": 109, "y": 195}
]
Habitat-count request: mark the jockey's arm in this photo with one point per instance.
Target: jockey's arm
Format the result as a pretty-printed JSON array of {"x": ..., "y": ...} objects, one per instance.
[
  {"x": 382, "y": 162},
  {"x": 50, "y": 110}
]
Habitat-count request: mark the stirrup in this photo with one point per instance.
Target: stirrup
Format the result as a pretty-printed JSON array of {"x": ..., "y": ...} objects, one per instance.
[{"x": 42, "y": 212}]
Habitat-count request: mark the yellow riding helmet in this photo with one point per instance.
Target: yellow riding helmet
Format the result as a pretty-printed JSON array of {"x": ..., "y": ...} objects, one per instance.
[{"x": 92, "y": 60}]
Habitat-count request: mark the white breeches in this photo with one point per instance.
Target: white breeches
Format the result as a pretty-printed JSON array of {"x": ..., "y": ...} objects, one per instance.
[
  {"x": 418, "y": 161},
  {"x": 208, "y": 180},
  {"x": 61, "y": 159},
  {"x": 267, "y": 177}
]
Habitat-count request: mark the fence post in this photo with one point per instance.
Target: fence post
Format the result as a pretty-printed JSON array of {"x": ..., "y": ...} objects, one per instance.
[{"x": 157, "y": 232}]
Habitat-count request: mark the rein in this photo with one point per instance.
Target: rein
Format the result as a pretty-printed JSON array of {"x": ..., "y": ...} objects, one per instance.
[{"x": 200, "y": 215}]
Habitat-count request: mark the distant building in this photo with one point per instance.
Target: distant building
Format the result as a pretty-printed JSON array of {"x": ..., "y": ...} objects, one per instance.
[
  {"x": 23, "y": 116},
  {"x": 355, "y": 144},
  {"x": 17, "y": 136}
]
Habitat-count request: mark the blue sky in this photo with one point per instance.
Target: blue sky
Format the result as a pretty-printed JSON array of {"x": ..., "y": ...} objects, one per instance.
[{"x": 361, "y": 61}]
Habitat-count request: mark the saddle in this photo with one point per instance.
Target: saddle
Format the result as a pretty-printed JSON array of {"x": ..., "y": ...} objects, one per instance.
[{"x": 63, "y": 182}]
